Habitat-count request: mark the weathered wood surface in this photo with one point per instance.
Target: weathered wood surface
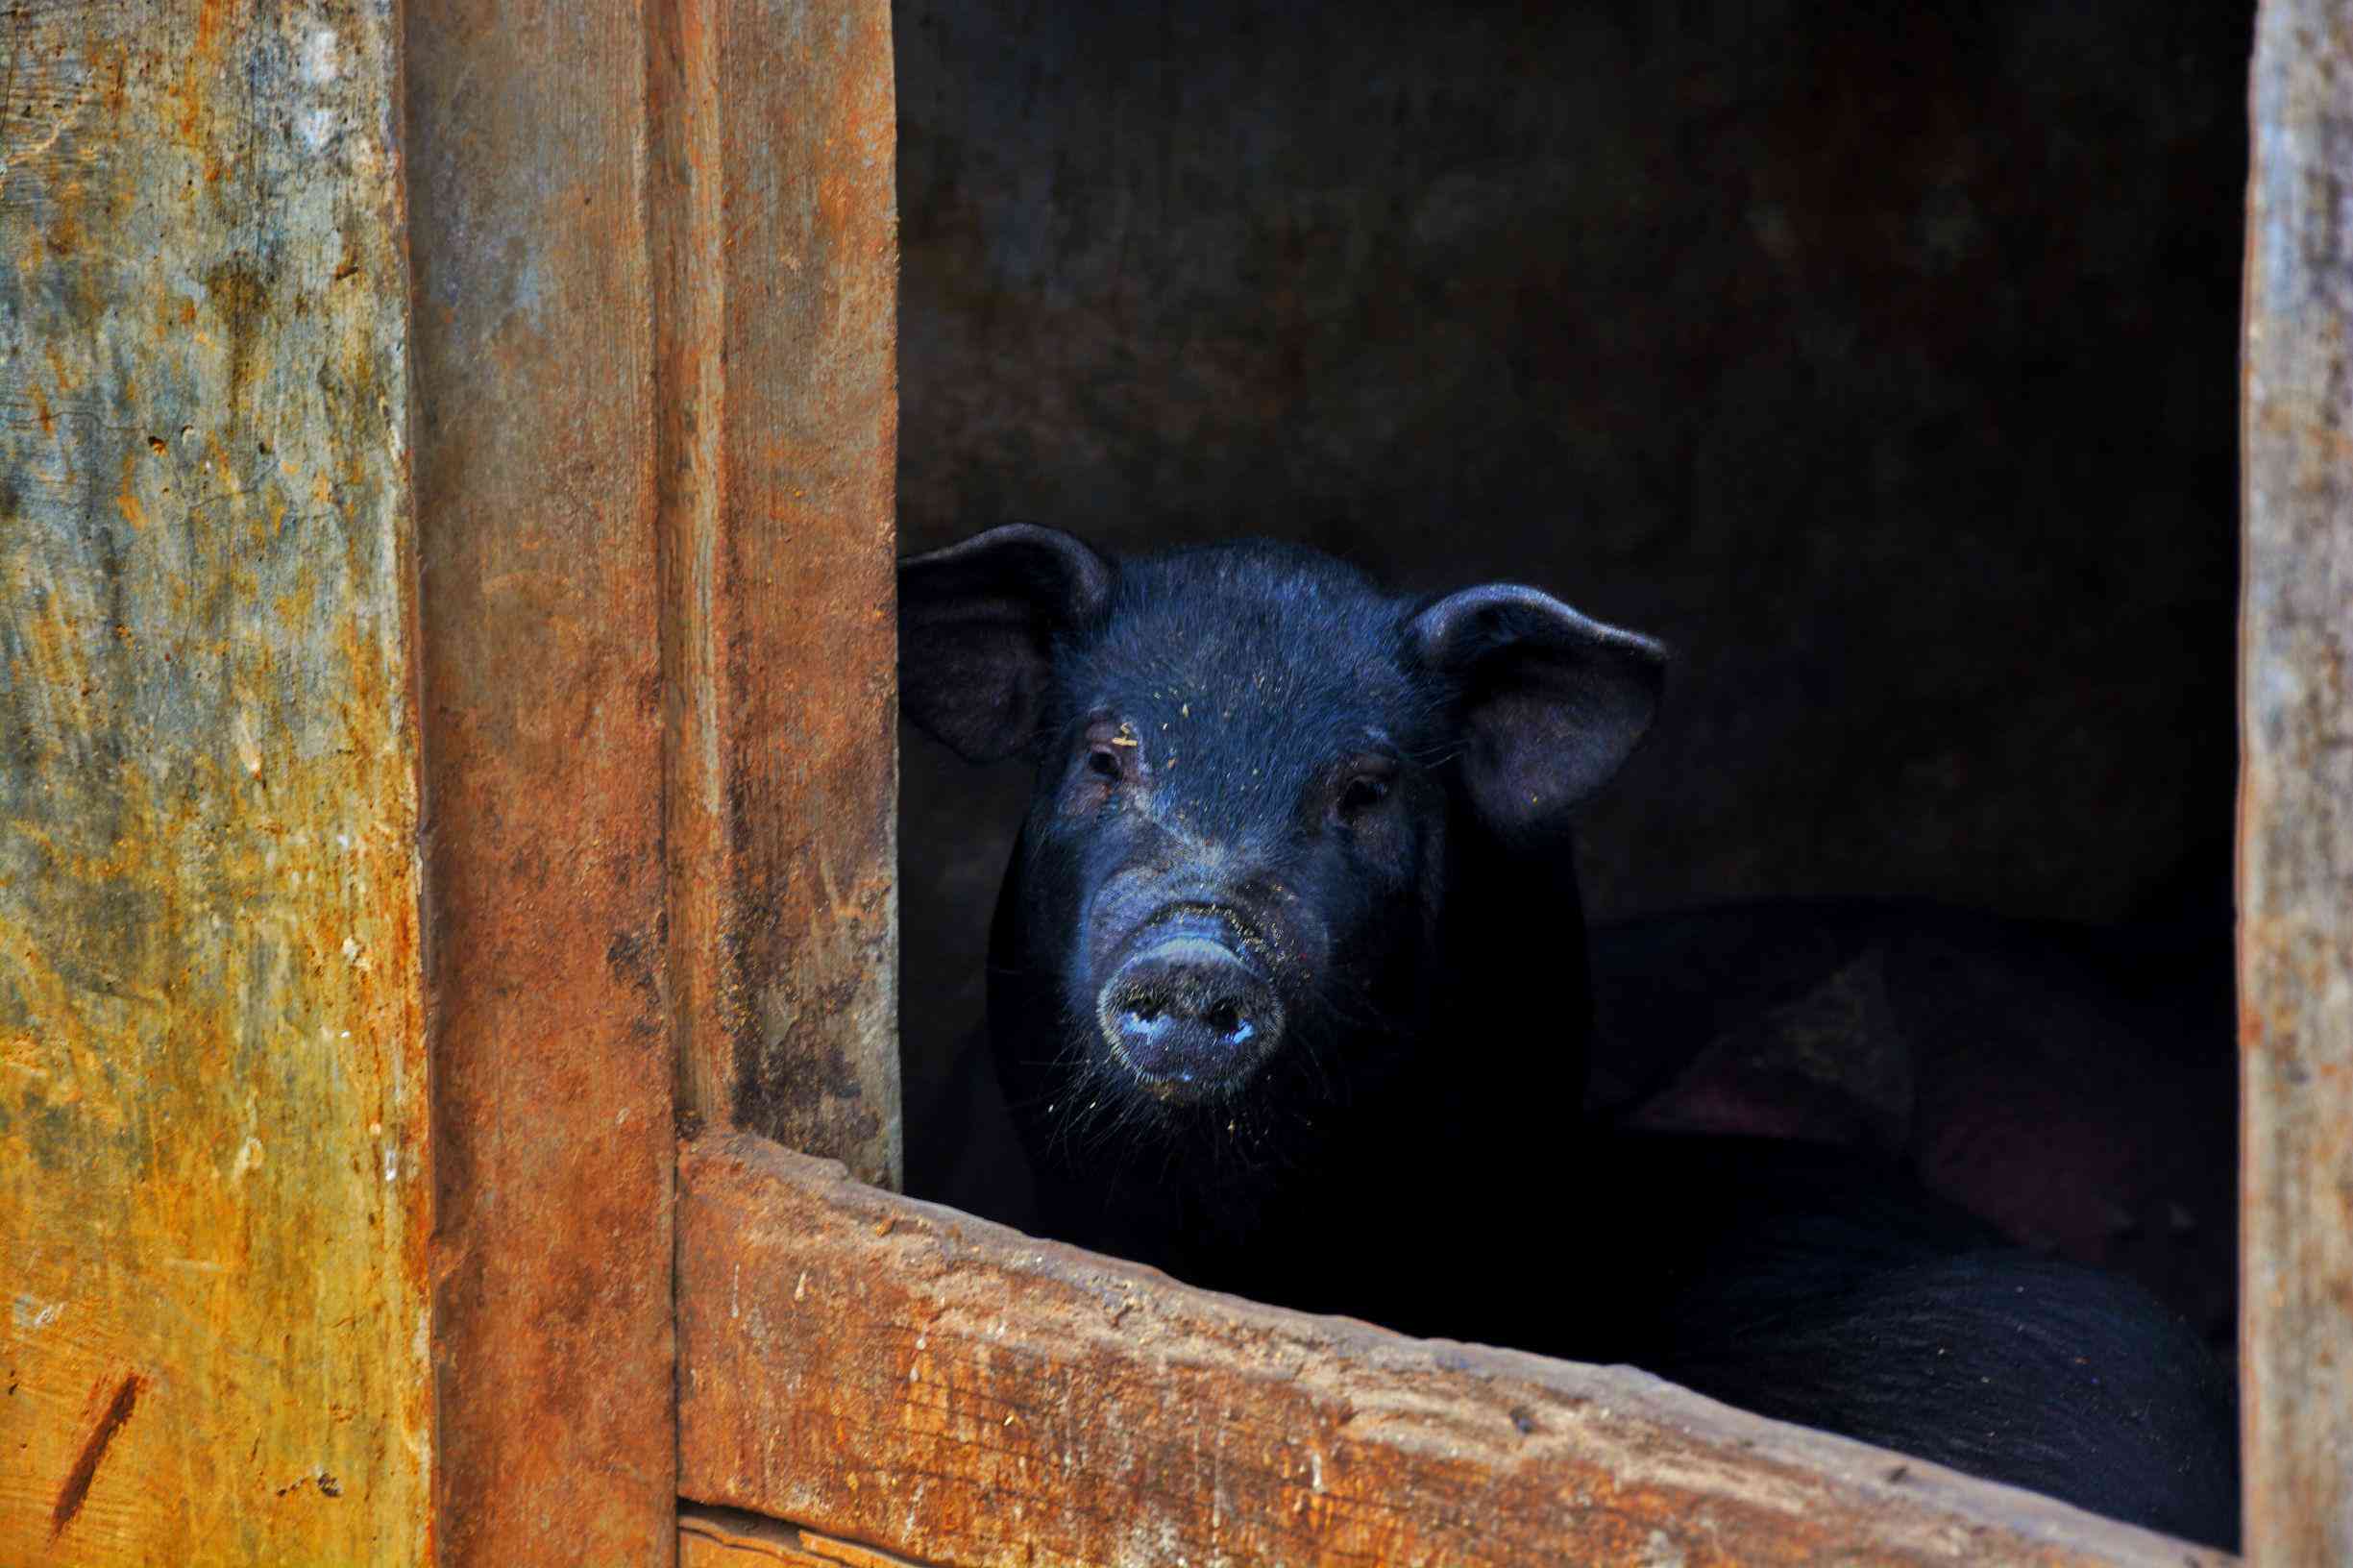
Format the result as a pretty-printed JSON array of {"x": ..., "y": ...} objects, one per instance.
[
  {"x": 2295, "y": 847},
  {"x": 542, "y": 698},
  {"x": 890, "y": 1372},
  {"x": 214, "y": 1129},
  {"x": 731, "y": 1538},
  {"x": 776, "y": 239}
]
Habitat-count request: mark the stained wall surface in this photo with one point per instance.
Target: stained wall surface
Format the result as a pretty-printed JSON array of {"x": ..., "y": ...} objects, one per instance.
[
  {"x": 212, "y": 1090},
  {"x": 1884, "y": 367}
]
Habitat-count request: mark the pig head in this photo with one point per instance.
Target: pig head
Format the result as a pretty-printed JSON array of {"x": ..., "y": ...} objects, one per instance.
[{"x": 1293, "y": 913}]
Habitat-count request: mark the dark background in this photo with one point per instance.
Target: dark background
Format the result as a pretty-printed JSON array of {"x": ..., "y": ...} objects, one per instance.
[{"x": 1880, "y": 357}]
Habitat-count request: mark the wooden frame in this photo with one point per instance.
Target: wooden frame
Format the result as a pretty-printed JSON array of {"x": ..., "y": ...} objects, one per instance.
[
  {"x": 499, "y": 400},
  {"x": 2295, "y": 798},
  {"x": 889, "y": 1373}
]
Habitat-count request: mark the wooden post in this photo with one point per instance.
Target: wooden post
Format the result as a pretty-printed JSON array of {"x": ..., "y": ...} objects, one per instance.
[
  {"x": 214, "y": 1117},
  {"x": 543, "y": 726},
  {"x": 654, "y": 269},
  {"x": 2296, "y": 847},
  {"x": 775, "y": 238},
  {"x": 563, "y": 770}
]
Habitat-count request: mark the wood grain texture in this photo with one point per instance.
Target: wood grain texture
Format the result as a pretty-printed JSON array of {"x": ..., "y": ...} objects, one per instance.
[
  {"x": 2296, "y": 846},
  {"x": 543, "y": 729},
  {"x": 214, "y": 1121},
  {"x": 890, "y": 1372},
  {"x": 731, "y": 1538},
  {"x": 775, "y": 238}
]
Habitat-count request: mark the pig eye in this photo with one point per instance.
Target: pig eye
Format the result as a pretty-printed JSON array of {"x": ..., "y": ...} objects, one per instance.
[
  {"x": 1107, "y": 766},
  {"x": 1363, "y": 788},
  {"x": 1111, "y": 755}
]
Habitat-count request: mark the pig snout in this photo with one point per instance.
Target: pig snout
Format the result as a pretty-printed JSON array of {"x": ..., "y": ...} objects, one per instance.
[{"x": 1188, "y": 1014}]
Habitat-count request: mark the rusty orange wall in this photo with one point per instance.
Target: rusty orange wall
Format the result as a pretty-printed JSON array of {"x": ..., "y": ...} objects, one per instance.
[{"x": 212, "y": 1094}]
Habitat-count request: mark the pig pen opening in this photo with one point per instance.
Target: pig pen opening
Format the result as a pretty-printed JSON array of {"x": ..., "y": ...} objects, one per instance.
[{"x": 1883, "y": 366}]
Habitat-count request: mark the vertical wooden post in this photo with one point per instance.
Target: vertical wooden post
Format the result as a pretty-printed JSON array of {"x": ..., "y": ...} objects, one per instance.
[
  {"x": 2295, "y": 870},
  {"x": 654, "y": 273},
  {"x": 300, "y": 772},
  {"x": 543, "y": 743},
  {"x": 214, "y": 1117},
  {"x": 775, "y": 231}
]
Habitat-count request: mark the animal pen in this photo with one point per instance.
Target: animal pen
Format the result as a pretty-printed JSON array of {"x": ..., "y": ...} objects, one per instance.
[{"x": 448, "y": 1064}]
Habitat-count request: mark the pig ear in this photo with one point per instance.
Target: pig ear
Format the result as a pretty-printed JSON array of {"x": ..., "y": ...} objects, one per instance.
[
  {"x": 1550, "y": 701},
  {"x": 976, "y": 629}
]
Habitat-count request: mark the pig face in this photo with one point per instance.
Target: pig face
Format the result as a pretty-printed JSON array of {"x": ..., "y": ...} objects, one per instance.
[{"x": 1267, "y": 791}]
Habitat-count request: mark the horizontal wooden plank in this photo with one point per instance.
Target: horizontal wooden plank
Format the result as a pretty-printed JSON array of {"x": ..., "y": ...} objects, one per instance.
[
  {"x": 2296, "y": 843},
  {"x": 895, "y": 1373}
]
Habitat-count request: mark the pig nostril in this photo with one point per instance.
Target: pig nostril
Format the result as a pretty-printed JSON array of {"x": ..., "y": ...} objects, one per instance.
[{"x": 1189, "y": 1018}]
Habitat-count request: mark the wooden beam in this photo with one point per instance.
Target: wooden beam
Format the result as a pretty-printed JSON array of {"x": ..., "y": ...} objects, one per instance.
[
  {"x": 214, "y": 1122},
  {"x": 543, "y": 729},
  {"x": 895, "y": 1374},
  {"x": 775, "y": 238},
  {"x": 2295, "y": 845}
]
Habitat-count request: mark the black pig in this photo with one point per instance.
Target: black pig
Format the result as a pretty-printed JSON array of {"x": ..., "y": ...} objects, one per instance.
[
  {"x": 1287, "y": 995},
  {"x": 1287, "y": 831}
]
